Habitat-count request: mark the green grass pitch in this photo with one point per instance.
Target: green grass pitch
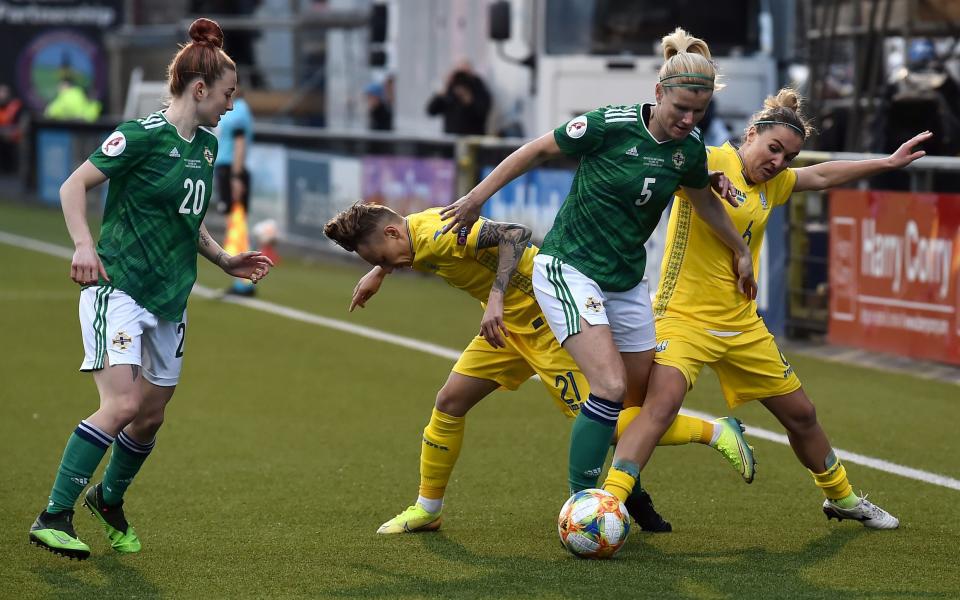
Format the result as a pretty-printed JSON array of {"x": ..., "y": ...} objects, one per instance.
[{"x": 287, "y": 444}]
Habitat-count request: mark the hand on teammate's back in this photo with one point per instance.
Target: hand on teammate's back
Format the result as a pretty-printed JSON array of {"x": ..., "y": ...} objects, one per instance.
[{"x": 463, "y": 213}]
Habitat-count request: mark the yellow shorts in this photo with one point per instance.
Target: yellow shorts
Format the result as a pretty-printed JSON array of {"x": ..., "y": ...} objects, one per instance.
[
  {"x": 749, "y": 364},
  {"x": 525, "y": 355}
]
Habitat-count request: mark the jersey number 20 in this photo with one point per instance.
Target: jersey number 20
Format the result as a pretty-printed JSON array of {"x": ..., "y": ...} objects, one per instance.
[{"x": 195, "y": 189}]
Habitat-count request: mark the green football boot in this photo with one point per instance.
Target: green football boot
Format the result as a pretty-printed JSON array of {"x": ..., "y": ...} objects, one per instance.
[
  {"x": 734, "y": 447},
  {"x": 122, "y": 536},
  {"x": 414, "y": 519},
  {"x": 55, "y": 532}
]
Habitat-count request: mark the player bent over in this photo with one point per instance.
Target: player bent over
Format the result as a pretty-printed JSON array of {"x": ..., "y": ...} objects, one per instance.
[{"x": 493, "y": 262}]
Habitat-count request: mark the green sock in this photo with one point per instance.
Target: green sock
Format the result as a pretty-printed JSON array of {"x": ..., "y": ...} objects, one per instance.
[
  {"x": 590, "y": 441},
  {"x": 84, "y": 451},
  {"x": 125, "y": 461},
  {"x": 848, "y": 501}
]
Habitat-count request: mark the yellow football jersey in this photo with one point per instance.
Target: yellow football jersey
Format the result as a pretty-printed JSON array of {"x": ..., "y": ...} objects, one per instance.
[
  {"x": 697, "y": 280},
  {"x": 456, "y": 258}
]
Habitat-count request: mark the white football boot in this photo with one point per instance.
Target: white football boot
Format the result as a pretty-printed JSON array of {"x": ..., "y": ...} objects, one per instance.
[{"x": 866, "y": 512}]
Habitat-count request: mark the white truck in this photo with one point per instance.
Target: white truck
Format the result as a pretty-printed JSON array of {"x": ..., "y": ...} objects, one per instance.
[{"x": 549, "y": 60}]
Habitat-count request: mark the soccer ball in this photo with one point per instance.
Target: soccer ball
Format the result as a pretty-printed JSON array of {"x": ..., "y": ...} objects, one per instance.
[{"x": 593, "y": 524}]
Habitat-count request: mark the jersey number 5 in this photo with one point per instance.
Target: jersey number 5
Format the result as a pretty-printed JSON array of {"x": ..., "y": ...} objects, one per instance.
[
  {"x": 646, "y": 192},
  {"x": 197, "y": 190}
]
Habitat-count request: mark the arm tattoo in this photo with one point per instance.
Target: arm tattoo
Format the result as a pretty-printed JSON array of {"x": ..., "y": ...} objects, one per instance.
[
  {"x": 204, "y": 239},
  {"x": 511, "y": 239}
]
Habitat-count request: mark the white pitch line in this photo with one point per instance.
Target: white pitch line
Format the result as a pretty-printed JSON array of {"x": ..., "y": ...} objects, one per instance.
[{"x": 449, "y": 353}]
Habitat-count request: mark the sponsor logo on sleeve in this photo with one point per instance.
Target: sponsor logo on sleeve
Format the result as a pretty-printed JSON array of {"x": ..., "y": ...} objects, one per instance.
[
  {"x": 462, "y": 236},
  {"x": 577, "y": 127},
  {"x": 115, "y": 144}
]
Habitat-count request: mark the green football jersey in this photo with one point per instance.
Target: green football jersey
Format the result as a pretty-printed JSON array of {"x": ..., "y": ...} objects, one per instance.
[
  {"x": 160, "y": 188},
  {"x": 624, "y": 181}
]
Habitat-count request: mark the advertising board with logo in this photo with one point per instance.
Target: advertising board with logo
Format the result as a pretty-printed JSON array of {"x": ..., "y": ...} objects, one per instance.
[
  {"x": 894, "y": 264},
  {"x": 46, "y": 42}
]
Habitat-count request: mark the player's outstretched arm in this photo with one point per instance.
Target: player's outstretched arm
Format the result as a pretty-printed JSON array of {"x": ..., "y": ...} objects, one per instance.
[
  {"x": 511, "y": 240},
  {"x": 712, "y": 212},
  {"x": 838, "y": 172},
  {"x": 247, "y": 265},
  {"x": 465, "y": 211},
  {"x": 85, "y": 268},
  {"x": 368, "y": 285}
]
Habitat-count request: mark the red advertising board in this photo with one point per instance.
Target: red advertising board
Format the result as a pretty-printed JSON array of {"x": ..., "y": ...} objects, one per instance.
[{"x": 895, "y": 273}]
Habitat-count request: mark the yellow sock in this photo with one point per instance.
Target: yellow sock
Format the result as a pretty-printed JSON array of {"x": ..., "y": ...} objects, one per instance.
[
  {"x": 619, "y": 483},
  {"x": 686, "y": 430},
  {"x": 683, "y": 430},
  {"x": 439, "y": 450},
  {"x": 834, "y": 482}
]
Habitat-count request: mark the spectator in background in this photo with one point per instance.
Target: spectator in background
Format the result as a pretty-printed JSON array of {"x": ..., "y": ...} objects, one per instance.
[
  {"x": 10, "y": 112},
  {"x": 72, "y": 103},
  {"x": 235, "y": 135},
  {"x": 232, "y": 181},
  {"x": 464, "y": 102},
  {"x": 379, "y": 108}
]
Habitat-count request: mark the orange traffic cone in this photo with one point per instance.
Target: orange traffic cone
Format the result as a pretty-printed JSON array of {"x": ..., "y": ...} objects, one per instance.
[{"x": 238, "y": 240}]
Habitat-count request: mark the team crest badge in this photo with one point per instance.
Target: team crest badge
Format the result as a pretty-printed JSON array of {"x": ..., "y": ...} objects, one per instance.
[
  {"x": 122, "y": 341},
  {"x": 593, "y": 305},
  {"x": 208, "y": 155},
  {"x": 678, "y": 159}
]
